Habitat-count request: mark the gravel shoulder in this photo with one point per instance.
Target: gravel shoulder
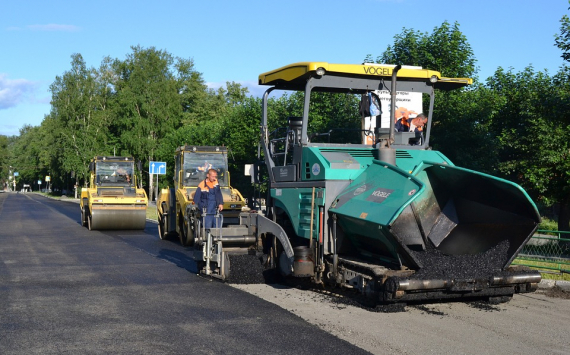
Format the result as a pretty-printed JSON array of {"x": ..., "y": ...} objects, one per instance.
[{"x": 522, "y": 326}]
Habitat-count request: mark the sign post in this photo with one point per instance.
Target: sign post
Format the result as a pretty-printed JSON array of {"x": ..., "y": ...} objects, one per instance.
[{"x": 158, "y": 168}]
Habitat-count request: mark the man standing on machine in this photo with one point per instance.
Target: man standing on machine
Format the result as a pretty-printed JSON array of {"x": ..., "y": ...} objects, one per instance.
[{"x": 208, "y": 197}]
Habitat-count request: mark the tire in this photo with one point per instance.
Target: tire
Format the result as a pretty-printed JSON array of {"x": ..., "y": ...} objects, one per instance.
[
  {"x": 199, "y": 266},
  {"x": 84, "y": 215},
  {"x": 83, "y": 224},
  {"x": 162, "y": 223},
  {"x": 227, "y": 265},
  {"x": 186, "y": 236}
]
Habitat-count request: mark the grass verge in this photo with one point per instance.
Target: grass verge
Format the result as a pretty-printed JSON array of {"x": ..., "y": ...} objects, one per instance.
[
  {"x": 151, "y": 212},
  {"x": 546, "y": 269}
]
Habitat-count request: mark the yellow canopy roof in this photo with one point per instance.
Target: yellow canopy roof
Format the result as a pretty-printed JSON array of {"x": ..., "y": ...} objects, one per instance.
[{"x": 297, "y": 73}]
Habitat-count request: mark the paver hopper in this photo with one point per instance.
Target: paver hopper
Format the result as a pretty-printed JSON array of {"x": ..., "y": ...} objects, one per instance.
[{"x": 457, "y": 230}]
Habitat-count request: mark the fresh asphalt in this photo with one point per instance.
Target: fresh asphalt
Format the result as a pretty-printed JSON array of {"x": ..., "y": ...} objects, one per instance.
[{"x": 67, "y": 290}]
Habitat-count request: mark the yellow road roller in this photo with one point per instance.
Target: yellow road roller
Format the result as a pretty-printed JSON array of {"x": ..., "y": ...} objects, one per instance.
[
  {"x": 113, "y": 200},
  {"x": 175, "y": 205}
]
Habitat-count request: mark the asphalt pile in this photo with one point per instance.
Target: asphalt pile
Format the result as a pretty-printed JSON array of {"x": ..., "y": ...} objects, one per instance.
[
  {"x": 437, "y": 265},
  {"x": 427, "y": 310},
  {"x": 340, "y": 302},
  {"x": 484, "y": 306},
  {"x": 245, "y": 269}
]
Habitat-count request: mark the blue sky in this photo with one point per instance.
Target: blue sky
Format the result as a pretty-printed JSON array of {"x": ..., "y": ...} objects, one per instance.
[{"x": 236, "y": 41}]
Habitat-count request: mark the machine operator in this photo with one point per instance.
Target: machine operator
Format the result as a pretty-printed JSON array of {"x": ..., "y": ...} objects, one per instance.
[{"x": 208, "y": 196}]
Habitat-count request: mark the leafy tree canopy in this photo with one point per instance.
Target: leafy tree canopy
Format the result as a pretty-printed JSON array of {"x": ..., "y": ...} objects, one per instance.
[{"x": 562, "y": 40}]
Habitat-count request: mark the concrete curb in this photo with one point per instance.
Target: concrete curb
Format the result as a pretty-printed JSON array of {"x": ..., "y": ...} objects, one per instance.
[{"x": 548, "y": 284}]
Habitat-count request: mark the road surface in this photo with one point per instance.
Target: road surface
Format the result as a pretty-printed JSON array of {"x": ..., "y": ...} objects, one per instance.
[{"x": 65, "y": 289}]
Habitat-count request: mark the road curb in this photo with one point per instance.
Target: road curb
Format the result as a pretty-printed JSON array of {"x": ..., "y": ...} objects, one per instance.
[{"x": 549, "y": 284}]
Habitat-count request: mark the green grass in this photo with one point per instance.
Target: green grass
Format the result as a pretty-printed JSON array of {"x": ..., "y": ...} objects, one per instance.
[
  {"x": 151, "y": 212},
  {"x": 546, "y": 273},
  {"x": 548, "y": 224}
]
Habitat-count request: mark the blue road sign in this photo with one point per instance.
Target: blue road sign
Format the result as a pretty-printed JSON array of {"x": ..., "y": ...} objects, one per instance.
[{"x": 157, "y": 167}]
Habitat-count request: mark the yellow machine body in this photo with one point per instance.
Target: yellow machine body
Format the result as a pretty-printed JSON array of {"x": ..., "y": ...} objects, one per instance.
[
  {"x": 190, "y": 168},
  {"x": 113, "y": 200}
]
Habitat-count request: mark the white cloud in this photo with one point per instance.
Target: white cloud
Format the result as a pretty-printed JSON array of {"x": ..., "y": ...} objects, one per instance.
[
  {"x": 54, "y": 27},
  {"x": 14, "y": 91}
]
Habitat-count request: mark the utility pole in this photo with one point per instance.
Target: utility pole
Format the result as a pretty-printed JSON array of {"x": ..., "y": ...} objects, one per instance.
[
  {"x": 151, "y": 182},
  {"x": 10, "y": 177}
]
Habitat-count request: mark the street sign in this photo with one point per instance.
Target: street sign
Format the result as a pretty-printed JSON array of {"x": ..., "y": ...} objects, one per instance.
[
  {"x": 157, "y": 167},
  {"x": 16, "y": 173},
  {"x": 39, "y": 182},
  {"x": 48, "y": 178}
]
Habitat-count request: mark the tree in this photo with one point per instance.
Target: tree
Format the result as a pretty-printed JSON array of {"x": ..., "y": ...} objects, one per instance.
[
  {"x": 148, "y": 100},
  {"x": 4, "y": 161},
  {"x": 206, "y": 134},
  {"x": 241, "y": 135},
  {"x": 459, "y": 125},
  {"x": 148, "y": 106},
  {"x": 24, "y": 154},
  {"x": 446, "y": 50},
  {"x": 211, "y": 110},
  {"x": 80, "y": 118},
  {"x": 532, "y": 124},
  {"x": 562, "y": 40},
  {"x": 192, "y": 91}
]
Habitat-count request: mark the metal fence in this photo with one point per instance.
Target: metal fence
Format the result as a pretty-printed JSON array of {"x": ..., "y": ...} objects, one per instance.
[{"x": 547, "y": 251}]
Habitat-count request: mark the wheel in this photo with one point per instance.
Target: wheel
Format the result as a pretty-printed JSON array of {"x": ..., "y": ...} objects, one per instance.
[
  {"x": 186, "y": 236},
  {"x": 195, "y": 229},
  {"x": 181, "y": 228},
  {"x": 200, "y": 264},
  {"x": 84, "y": 215},
  {"x": 89, "y": 222},
  {"x": 83, "y": 222},
  {"x": 272, "y": 273},
  {"x": 162, "y": 231},
  {"x": 226, "y": 267}
]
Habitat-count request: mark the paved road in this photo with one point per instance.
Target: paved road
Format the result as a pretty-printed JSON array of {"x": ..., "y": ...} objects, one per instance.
[
  {"x": 67, "y": 290},
  {"x": 64, "y": 289}
]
